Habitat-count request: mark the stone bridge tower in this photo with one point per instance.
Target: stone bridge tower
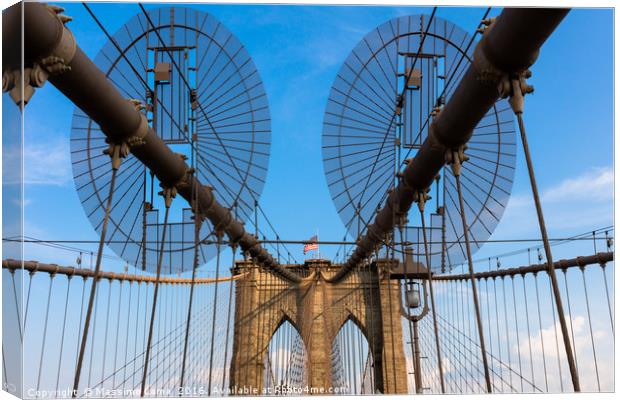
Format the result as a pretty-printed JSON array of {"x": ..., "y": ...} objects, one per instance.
[{"x": 318, "y": 309}]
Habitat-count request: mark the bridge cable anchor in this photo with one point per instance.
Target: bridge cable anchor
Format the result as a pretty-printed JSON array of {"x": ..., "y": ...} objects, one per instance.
[
  {"x": 455, "y": 158},
  {"x": 421, "y": 197},
  {"x": 515, "y": 88},
  {"x": 168, "y": 193},
  {"x": 116, "y": 151}
]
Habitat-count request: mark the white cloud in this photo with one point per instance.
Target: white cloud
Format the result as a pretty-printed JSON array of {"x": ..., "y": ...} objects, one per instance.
[
  {"x": 577, "y": 203},
  {"x": 47, "y": 163},
  {"x": 11, "y": 163},
  {"x": 45, "y": 155},
  {"x": 582, "y": 346},
  {"x": 596, "y": 184}
]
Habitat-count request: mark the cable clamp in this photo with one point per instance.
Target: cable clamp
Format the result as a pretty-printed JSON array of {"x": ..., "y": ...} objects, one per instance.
[
  {"x": 420, "y": 197},
  {"x": 486, "y": 25},
  {"x": 168, "y": 194},
  {"x": 137, "y": 139},
  {"x": 455, "y": 158},
  {"x": 116, "y": 151},
  {"x": 515, "y": 87}
]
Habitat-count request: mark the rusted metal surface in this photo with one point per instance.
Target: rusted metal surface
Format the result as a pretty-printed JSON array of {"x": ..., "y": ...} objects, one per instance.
[
  {"x": 87, "y": 87},
  {"x": 35, "y": 266},
  {"x": 599, "y": 258},
  {"x": 509, "y": 46}
]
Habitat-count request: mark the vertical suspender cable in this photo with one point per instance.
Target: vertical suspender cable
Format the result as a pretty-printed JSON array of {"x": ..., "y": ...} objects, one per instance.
[
  {"x": 167, "y": 195},
  {"x": 115, "y": 154},
  {"x": 47, "y": 313},
  {"x": 228, "y": 321},
  {"x": 499, "y": 343},
  {"x": 19, "y": 322},
  {"x": 507, "y": 329},
  {"x": 585, "y": 290},
  {"x": 529, "y": 335},
  {"x": 126, "y": 337},
  {"x": 105, "y": 336},
  {"x": 557, "y": 346},
  {"x": 430, "y": 288},
  {"x": 514, "y": 306},
  {"x": 62, "y": 335},
  {"x": 217, "y": 275},
  {"x": 470, "y": 264},
  {"x": 92, "y": 339},
  {"x": 570, "y": 316},
  {"x": 542, "y": 340},
  {"x": 197, "y": 224},
  {"x": 411, "y": 320},
  {"x": 516, "y": 102},
  {"x": 611, "y": 315},
  {"x": 118, "y": 324}
]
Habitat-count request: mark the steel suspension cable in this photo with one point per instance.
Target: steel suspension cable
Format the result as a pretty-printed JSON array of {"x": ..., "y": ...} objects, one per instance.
[
  {"x": 197, "y": 225},
  {"x": 430, "y": 287},
  {"x": 200, "y": 106},
  {"x": 107, "y": 320},
  {"x": 92, "y": 339},
  {"x": 126, "y": 334},
  {"x": 400, "y": 96},
  {"x": 499, "y": 343},
  {"x": 490, "y": 332},
  {"x": 585, "y": 290},
  {"x": 450, "y": 331},
  {"x": 217, "y": 275},
  {"x": 47, "y": 312},
  {"x": 456, "y": 68},
  {"x": 411, "y": 320},
  {"x": 514, "y": 305},
  {"x": 446, "y": 86},
  {"x": 487, "y": 377},
  {"x": 506, "y": 326},
  {"x": 168, "y": 196},
  {"x": 542, "y": 340},
  {"x": 135, "y": 331},
  {"x": 115, "y": 155},
  {"x": 118, "y": 325},
  {"x": 529, "y": 335},
  {"x": 19, "y": 320},
  {"x": 611, "y": 316},
  {"x": 555, "y": 333},
  {"x": 570, "y": 316},
  {"x": 228, "y": 319},
  {"x": 516, "y": 102},
  {"x": 31, "y": 276},
  {"x": 62, "y": 335}
]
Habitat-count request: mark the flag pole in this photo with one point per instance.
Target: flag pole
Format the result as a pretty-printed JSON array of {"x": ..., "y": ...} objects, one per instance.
[{"x": 318, "y": 251}]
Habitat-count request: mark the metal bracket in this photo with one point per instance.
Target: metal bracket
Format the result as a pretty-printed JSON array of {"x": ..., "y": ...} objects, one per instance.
[
  {"x": 116, "y": 151},
  {"x": 516, "y": 88},
  {"x": 455, "y": 158},
  {"x": 168, "y": 194},
  {"x": 137, "y": 138},
  {"x": 421, "y": 197}
]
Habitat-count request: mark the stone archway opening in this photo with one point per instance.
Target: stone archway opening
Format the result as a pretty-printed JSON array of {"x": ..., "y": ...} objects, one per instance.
[
  {"x": 352, "y": 360},
  {"x": 286, "y": 362}
]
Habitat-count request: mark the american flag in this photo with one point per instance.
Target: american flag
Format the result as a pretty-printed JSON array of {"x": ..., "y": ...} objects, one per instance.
[{"x": 311, "y": 245}]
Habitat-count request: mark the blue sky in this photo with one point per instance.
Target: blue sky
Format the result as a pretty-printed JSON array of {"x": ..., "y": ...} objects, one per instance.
[{"x": 298, "y": 51}]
